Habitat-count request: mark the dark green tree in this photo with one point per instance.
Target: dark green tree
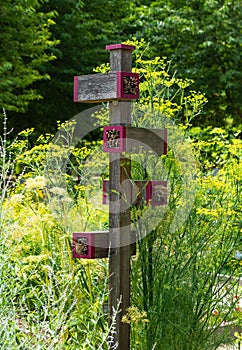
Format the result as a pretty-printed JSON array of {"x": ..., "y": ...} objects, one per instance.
[
  {"x": 84, "y": 28},
  {"x": 203, "y": 40},
  {"x": 25, "y": 43}
]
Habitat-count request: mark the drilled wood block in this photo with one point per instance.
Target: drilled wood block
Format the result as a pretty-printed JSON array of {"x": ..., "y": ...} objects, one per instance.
[
  {"x": 93, "y": 245},
  {"x": 156, "y": 193},
  {"x": 114, "y": 138}
]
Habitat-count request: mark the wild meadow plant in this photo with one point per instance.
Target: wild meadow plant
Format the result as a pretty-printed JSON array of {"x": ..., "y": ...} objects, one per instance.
[
  {"x": 185, "y": 277},
  {"x": 176, "y": 273},
  {"x": 48, "y": 300}
]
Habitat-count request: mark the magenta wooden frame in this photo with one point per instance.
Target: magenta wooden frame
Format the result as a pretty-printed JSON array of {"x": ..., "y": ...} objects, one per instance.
[
  {"x": 149, "y": 189},
  {"x": 120, "y": 85},
  {"x": 105, "y": 192},
  {"x": 91, "y": 245},
  {"x": 122, "y": 142},
  {"x": 75, "y": 89}
]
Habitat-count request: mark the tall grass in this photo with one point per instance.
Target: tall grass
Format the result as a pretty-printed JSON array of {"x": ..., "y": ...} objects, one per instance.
[
  {"x": 176, "y": 278},
  {"x": 48, "y": 300}
]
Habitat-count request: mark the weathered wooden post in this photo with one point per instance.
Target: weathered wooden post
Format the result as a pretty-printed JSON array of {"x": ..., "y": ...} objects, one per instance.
[{"x": 119, "y": 211}]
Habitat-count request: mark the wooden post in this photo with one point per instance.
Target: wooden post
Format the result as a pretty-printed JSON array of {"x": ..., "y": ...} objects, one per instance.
[{"x": 119, "y": 212}]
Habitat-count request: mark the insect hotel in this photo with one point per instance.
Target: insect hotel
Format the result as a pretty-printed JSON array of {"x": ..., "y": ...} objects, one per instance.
[{"x": 120, "y": 140}]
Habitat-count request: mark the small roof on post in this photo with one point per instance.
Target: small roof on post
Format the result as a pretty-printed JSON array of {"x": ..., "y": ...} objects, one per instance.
[
  {"x": 120, "y": 57},
  {"x": 120, "y": 46}
]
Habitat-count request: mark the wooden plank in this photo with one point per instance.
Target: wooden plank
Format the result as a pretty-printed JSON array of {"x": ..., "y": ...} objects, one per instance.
[
  {"x": 117, "y": 86},
  {"x": 119, "y": 262},
  {"x": 93, "y": 245},
  {"x": 95, "y": 88},
  {"x": 119, "y": 138},
  {"x": 123, "y": 47},
  {"x": 143, "y": 192},
  {"x": 146, "y": 140},
  {"x": 90, "y": 245}
]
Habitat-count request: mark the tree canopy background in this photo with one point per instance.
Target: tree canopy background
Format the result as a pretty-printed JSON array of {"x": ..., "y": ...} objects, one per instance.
[{"x": 44, "y": 44}]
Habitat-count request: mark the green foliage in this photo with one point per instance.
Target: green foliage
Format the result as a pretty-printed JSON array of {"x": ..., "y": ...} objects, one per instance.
[
  {"x": 83, "y": 29},
  {"x": 203, "y": 41},
  {"x": 160, "y": 89},
  {"x": 216, "y": 147},
  {"x": 25, "y": 46},
  {"x": 175, "y": 277},
  {"x": 50, "y": 300}
]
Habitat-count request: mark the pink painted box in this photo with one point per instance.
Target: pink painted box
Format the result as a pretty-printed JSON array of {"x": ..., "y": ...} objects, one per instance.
[
  {"x": 114, "y": 138},
  {"x": 83, "y": 245},
  {"x": 156, "y": 193},
  {"x": 127, "y": 85}
]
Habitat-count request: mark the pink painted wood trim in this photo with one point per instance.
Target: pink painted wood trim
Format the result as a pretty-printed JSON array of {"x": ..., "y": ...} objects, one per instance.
[
  {"x": 91, "y": 245},
  {"x": 148, "y": 192},
  {"x": 75, "y": 91},
  {"x": 119, "y": 84},
  {"x": 122, "y": 144},
  {"x": 165, "y": 141},
  {"x": 120, "y": 46}
]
